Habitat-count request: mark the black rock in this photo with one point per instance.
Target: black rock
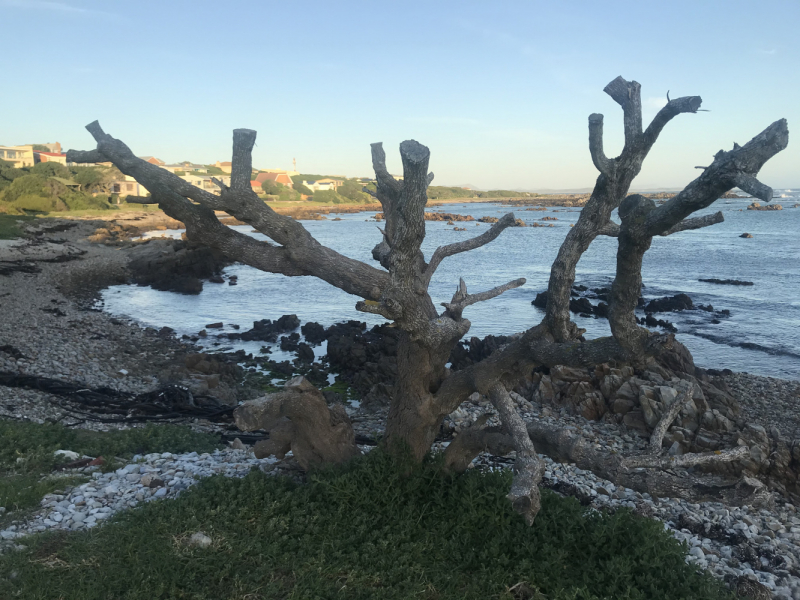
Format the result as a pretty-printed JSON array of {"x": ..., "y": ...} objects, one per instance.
[
  {"x": 475, "y": 350},
  {"x": 727, "y": 281},
  {"x": 175, "y": 266},
  {"x": 267, "y": 331},
  {"x": 304, "y": 352},
  {"x": 290, "y": 343},
  {"x": 601, "y": 310},
  {"x": 314, "y": 333},
  {"x": 541, "y": 300},
  {"x": 745, "y": 235},
  {"x": 581, "y": 305},
  {"x": 670, "y": 304}
]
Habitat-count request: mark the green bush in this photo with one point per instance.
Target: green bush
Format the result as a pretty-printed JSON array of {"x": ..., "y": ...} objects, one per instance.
[
  {"x": 328, "y": 197},
  {"x": 33, "y": 203},
  {"x": 373, "y": 529},
  {"x": 51, "y": 169},
  {"x": 33, "y": 185},
  {"x": 79, "y": 201}
]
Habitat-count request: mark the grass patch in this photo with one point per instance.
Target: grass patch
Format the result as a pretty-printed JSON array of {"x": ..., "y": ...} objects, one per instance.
[
  {"x": 26, "y": 453},
  {"x": 10, "y": 225},
  {"x": 374, "y": 529}
]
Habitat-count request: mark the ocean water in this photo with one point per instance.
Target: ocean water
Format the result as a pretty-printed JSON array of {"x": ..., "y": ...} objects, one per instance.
[{"x": 761, "y": 335}]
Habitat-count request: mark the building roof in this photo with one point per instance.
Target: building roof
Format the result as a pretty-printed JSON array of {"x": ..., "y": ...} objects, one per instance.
[
  {"x": 152, "y": 160},
  {"x": 225, "y": 164},
  {"x": 51, "y": 153},
  {"x": 277, "y": 177}
]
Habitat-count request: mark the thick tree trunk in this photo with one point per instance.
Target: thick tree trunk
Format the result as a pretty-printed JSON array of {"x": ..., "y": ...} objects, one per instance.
[{"x": 414, "y": 415}]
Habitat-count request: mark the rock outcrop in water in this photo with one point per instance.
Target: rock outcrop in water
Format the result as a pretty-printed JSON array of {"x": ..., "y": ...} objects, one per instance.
[
  {"x": 759, "y": 206},
  {"x": 175, "y": 265}
]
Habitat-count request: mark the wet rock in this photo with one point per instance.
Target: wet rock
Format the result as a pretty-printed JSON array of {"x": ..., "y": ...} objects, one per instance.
[
  {"x": 581, "y": 305},
  {"x": 175, "y": 265},
  {"x": 759, "y": 206},
  {"x": 266, "y": 330},
  {"x": 475, "y": 350},
  {"x": 305, "y": 353},
  {"x": 746, "y": 235},
  {"x": 726, "y": 281},
  {"x": 670, "y": 303},
  {"x": 314, "y": 333},
  {"x": 541, "y": 300}
]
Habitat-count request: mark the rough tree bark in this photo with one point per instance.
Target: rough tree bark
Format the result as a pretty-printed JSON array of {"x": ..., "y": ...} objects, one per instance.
[{"x": 426, "y": 391}]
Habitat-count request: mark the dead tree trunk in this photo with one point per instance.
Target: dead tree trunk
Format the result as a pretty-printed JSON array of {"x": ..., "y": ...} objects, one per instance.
[
  {"x": 398, "y": 292},
  {"x": 425, "y": 391}
]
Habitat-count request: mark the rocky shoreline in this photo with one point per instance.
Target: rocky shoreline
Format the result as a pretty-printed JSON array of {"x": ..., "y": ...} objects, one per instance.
[{"x": 51, "y": 329}]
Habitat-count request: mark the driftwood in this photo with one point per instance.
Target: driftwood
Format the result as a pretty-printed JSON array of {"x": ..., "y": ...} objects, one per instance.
[{"x": 298, "y": 419}]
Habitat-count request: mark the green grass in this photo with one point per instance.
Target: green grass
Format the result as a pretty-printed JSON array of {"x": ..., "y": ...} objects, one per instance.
[
  {"x": 9, "y": 225},
  {"x": 373, "y": 529},
  {"x": 26, "y": 453}
]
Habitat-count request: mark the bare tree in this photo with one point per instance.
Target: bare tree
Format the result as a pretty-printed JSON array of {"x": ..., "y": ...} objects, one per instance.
[{"x": 426, "y": 391}]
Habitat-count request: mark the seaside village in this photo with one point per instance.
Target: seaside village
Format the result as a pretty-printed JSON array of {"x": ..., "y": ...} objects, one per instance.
[{"x": 199, "y": 175}]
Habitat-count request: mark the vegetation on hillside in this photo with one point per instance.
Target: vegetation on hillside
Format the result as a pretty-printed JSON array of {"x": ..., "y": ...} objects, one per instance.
[
  {"x": 52, "y": 187},
  {"x": 438, "y": 192}
]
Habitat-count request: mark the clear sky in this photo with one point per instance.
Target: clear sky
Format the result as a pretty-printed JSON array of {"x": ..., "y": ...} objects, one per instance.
[{"x": 499, "y": 91}]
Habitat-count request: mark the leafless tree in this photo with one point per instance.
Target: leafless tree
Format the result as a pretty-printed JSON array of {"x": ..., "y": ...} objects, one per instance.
[{"x": 426, "y": 391}]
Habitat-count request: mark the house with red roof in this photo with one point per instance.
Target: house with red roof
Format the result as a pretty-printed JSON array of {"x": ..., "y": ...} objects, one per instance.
[
  {"x": 58, "y": 157},
  {"x": 276, "y": 177},
  {"x": 153, "y": 160}
]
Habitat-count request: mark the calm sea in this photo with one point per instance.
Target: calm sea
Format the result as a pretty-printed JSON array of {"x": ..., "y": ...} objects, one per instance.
[{"x": 761, "y": 335}]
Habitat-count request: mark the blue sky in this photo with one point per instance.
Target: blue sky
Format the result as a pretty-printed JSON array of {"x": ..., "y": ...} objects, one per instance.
[{"x": 499, "y": 91}]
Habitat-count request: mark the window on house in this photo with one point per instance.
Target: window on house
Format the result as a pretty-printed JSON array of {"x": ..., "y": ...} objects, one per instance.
[{"x": 11, "y": 154}]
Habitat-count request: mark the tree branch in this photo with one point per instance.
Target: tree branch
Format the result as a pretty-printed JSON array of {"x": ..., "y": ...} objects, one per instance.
[
  {"x": 461, "y": 299},
  {"x": 528, "y": 469},
  {"x": 751, "y": 185},
  {"x": 611, "y": 229},
  {"x": 473, "y": 440},
  {"x": 388, "y": 188},
  {"x": 628, "y": 95},
  {"x": 687, "y": 104},
  {"x": 685, "y": 460},
  {"x": 242, "y": 159},
  {"x": 696, "y": 223},
  {"x": 603, "y": 164},
  {"x": 301, "y": 253},
  {"x": 728, "y": 170},
  {"x": 443, "y": 252}
]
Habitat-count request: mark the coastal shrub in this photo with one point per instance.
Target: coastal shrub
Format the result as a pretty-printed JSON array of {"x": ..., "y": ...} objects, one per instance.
[
  {"x": 328, "y": 197},
  {"x": 33, "y": 185},
  {"x": 35, "y": 203},
  {"x": 376, "y": 528},
  {"x": 51, "y": 169},
  {"x": 78, "y": 201},
  {"x": 351, "y": 190}
]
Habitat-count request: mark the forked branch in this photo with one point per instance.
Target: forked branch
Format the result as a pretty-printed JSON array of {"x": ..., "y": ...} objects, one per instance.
[
  {"x": 443, "y": 252},
  {"x": 461, "y": 299}
]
